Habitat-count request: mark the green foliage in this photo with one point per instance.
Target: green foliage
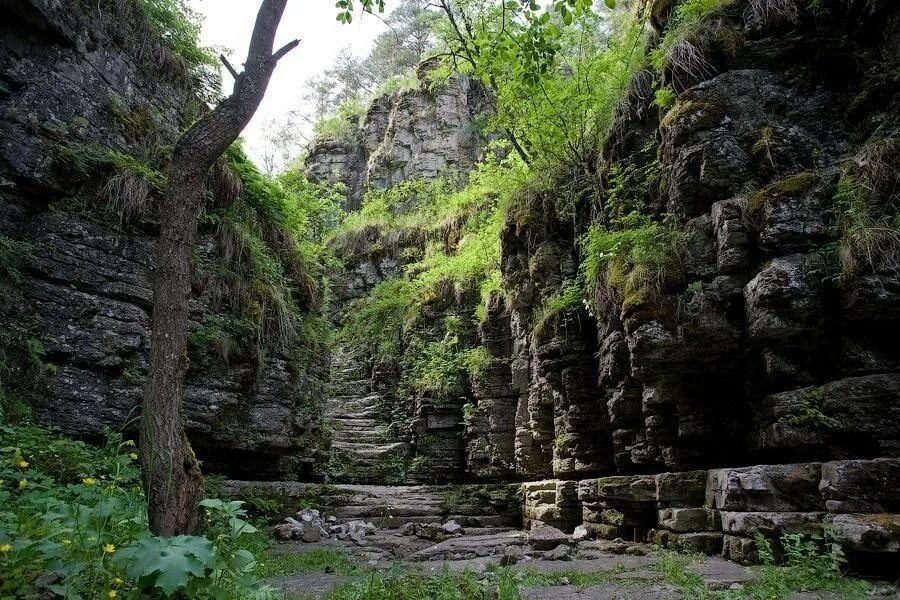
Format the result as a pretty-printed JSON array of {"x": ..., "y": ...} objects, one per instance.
[
  {"x": 271, "y": 264},
  {"x": 23, "y": 368},
  {"x": 439, "y": 367},
  {"x": 400, "y": 82},
  {"x": 442, "y": 585},
  {"x": 682, "y": 47},
  {"x": 664, "y": 97},
  {"x": 867, "y": 208},
  {"x": 639, "y": 260},
  {"x": 810, "y": 413},
  {"x": 344, "y": 122},
  {"x": 810, "y": 563},
  {"x": 568, "y": 298},
  {"x": 463, "y": 228},
  {"x": 377, "y": 321},
  {"x": 14, "y": 257},
  {"x": 73, "y": 522},
  {"x": 557, "y": 75},
  {"x": 178, "y": 25},
  {"x": 89, "y": 159},
  {"x": 294, "y": 563}
]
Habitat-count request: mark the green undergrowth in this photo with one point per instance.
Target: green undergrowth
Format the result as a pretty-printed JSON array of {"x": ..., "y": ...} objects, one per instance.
[
  {"x": 639, "y": 259},
  {"x": 688, "y": 33},
  {"x": 269, "y": 272},
  {"x": 276, "y": 564},
  {"x": 449, "y": 242},
  {"x": 867, "y": 207},
  {"x": 73, "y": 524}
]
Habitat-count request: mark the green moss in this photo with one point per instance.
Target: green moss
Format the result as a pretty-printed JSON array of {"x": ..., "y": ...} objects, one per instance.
[{"x": 788, "y": 187}]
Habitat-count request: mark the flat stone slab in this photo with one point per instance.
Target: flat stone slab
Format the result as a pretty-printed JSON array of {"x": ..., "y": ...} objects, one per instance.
[
  {"x": 464, "y": 546},
  {"x": 719, "y": 574},
  {"x": 603, "y": 591}
]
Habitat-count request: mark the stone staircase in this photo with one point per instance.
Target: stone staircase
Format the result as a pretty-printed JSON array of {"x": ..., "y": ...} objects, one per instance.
[
  {"x": 473, "y": 505},
  {"x": 360, "y": 446}
]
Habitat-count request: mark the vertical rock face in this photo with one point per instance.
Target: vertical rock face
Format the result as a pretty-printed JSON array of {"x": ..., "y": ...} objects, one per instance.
[
  {"x": 754, "y": 353},
  {"x": 422, "y": 133},
  {"x": 80, "y": 79},
  {"x": 755, "y": 350}
]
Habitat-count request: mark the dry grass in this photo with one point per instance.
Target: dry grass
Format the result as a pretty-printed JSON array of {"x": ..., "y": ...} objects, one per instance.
[
  {"x": 868, "y": 206},
  {"x": 768, "y": 13},
  {"x": 224, "y": 183},
  {"x": 128, "y": 194}
]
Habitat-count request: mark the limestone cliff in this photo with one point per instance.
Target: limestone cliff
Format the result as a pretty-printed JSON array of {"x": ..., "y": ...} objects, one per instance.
[
  {"x": 77, "y": 82},
  {"x": 421, "y": 133}
]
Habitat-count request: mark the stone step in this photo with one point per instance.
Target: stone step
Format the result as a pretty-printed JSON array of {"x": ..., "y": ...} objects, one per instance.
[{"x": 365, "y": 450}]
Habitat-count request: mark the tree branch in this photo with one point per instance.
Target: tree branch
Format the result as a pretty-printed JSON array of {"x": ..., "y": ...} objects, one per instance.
[
  {"x": 228, "y": 66},
  {"x": 285, "y": 49}
]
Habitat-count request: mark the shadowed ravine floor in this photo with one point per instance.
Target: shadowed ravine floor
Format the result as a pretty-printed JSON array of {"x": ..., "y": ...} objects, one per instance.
[{"x": 591, "y": 570}]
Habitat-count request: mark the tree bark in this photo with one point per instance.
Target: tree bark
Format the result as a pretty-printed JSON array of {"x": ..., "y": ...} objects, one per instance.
[{"x": 172, "y": 479}]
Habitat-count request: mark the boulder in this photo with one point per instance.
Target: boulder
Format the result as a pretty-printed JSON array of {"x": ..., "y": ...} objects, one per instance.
[
  {"x": 766, "y": 488},
  {"x": 861, "y": 485},
  {"x": 772, "y": 524},
  {"x": 867, "y": 532},
  {"x": 580, "y": 534},
  {"x": 544, "y": 537},
  {"x": 452, "y": 528}
]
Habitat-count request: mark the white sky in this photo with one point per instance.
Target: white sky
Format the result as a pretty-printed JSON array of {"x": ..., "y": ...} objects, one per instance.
[{"x": 229, "y": 23}]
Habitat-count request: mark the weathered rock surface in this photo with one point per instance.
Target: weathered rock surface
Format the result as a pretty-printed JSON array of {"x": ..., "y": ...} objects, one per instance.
[
  {"x": 73, "y": 78},
  {"x": 415, "y": 134}
]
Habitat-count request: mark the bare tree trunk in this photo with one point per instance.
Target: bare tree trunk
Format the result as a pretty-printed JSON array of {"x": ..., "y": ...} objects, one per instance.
[{"x": 172, "y": 478}]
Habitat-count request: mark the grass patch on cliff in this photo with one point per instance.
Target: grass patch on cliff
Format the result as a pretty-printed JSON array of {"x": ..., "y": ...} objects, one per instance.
[
  {"x": 14, "y": 257},
  {"x": 636, "y": 262},
  {"x": 867, "y": 206},
  {"x": 267, "y": 272},
  {"x": 689, "y": 31}
]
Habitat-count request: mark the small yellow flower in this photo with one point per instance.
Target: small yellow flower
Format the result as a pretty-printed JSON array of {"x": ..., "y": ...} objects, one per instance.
[
  {"x": 109, "y": 548},
  {"x": 133, "y": 456},
  {"x": 118, "y": 581},
  {"x": 5, "y": 548},
  {"x": 89, "y": 481},
  {"x": 67, "y": 541},
  {"x": 92, "y": 538},
  {"x": 111, "y": 594},
  {"x": 23, "y": 483},
  {"x": 23, "y": 464}
]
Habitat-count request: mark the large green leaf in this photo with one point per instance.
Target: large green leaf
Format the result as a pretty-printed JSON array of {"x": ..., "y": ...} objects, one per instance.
[{"x": 167, "y": 563}]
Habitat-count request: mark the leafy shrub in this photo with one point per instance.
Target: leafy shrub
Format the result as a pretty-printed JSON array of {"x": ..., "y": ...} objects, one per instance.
[
  {"x": 569, "y": 297},
  {"x": 343, "y": 123},
  {"x": 810, "y": 563},
  {"x": 73, "y": 522}
]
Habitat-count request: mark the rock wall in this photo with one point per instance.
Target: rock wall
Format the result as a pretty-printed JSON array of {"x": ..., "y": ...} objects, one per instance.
[
  {"x": 752, "y": 352},
  {"x": 75, "y": 79},
  {"x": 770, "y": 340},
  {"x": 721, "y": 511},
  {"x": 421, "y": 133}
]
